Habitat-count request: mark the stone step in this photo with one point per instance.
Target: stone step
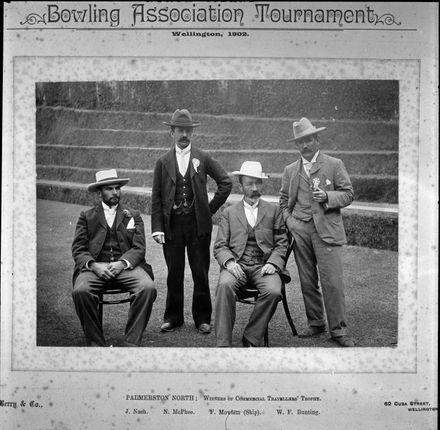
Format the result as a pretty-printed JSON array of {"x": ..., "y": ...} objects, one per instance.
[
  {"x": 135, "y": 138},
  {"x": 373, "y": 226},
  {"x": 370, "y": 188},
  {"x": 137, "y": 158},
  {"x": 54, "y": 122},
  {"x": 161, "y": 138}
]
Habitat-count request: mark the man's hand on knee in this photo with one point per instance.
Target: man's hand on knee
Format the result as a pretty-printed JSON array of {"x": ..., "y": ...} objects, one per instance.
[
  {"x": 268, "y": 269},
  {"x": 235, "y": 269}
]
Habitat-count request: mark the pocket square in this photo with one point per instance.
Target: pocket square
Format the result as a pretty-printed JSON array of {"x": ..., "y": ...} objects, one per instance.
[
  {"x": 328, "y": 182},
  {"x": 130, "y": 224}
]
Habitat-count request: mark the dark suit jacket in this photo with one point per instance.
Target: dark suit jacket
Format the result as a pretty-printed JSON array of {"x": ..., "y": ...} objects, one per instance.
[
  {"x": 164, "y": 190},
  {"x": 334, "y": 179},
  {"x": 91, "y": 231},
  {"x": 270, "y": 234}
]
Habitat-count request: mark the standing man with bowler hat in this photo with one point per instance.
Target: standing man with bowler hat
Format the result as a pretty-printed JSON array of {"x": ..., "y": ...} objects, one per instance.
[
  {"x": 313, "y": 191},
  {"x": 251, "y": 249},
  {"x": 109, "y": 253},
  {"x": 181, "y": 218}
]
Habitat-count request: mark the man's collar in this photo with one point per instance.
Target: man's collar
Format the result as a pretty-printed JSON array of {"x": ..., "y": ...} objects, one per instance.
[
  {"x": 246, "y": 204},
  {"x": 313, "y": 160},
  {"x": 183, "y": 151},
  {"x": 108, "y": 208}
]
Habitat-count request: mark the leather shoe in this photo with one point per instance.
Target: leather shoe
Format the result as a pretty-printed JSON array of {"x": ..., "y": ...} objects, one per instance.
[
  {"x": 127, "y": 344},
  {"x": 344, "y": 341},
  {"x": 168, "y": 326},
  {"x": 313, "y": 331},
  {"x": 247, "y": 344},
  {"x": 204, "y": 328}
]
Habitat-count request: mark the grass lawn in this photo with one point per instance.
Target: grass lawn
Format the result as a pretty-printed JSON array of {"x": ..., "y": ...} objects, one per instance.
[{"x": 370, "y": 277}]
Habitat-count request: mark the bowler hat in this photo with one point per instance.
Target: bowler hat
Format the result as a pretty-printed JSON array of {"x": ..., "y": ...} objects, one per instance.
[
  {"x": 303, "y": 128},
  {"x": 181, "y": 118},
  {"x": 251, "y": 168},
  {"x": 107, "y": 177}
]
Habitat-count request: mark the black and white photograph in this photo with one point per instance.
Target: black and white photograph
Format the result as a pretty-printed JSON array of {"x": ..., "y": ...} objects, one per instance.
[
  {"x": 219, "y": 214},
  {"x": 84, "y": 128}
]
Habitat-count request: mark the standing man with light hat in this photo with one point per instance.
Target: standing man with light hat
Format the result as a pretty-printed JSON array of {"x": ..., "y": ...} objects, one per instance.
[
  {"x": 251, "y": 248},
  {"x": 313, "y": 191},
  {"x": 181, "y": 219},
  {"x": 109, "y": 252}
]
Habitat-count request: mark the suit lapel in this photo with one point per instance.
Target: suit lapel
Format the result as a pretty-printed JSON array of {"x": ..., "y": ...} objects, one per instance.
[
  {"x": 100, "y": 215},
  {"x": 239, "y": 212},
  {"x": 295, "y": 178},
  {"x": 119, "y": 216},
  {"x": 262, "y": 208},
  {"x": 194, "y": 155},
  {"x": 170, "y": 164},
  {"x": 316, "y": 166}
]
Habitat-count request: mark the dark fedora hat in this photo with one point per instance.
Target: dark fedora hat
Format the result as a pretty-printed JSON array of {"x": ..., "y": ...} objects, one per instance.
[
  {"x": 181, "y": 118},
  {"x": 106, "y": 177},
  {"x": 304, "y": 128}
]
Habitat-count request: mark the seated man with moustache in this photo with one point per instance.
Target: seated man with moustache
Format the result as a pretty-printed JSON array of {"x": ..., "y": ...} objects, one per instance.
[
  {"x": 251, "y": 247},
  {"x": 109, "y": 252}
]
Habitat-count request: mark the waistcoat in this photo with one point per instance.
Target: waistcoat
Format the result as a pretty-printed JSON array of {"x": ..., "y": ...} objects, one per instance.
[
  {"x": 110, "y": 250},
  {"x": 252, "y": 253},
  {"x": 303, "y": 207},
  {"x": 184, "y": 197}
]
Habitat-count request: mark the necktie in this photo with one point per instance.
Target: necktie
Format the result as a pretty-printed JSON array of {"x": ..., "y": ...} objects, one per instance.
[
  {"x": 251, "y": 219},
  {"x": 308, "y": 167}
]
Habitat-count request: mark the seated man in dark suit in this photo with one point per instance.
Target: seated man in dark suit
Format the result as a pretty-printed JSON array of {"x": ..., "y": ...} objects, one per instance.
[
  {"x": 251, "y": 247},
  {"x": 109, "y": 252}
]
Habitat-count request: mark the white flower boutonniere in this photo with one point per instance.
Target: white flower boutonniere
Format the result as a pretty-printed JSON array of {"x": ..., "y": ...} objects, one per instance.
[
  {"x": 196, "y": 164},
  {"x": 328, "y": 182},
  {"x": 315, "y": 182}
]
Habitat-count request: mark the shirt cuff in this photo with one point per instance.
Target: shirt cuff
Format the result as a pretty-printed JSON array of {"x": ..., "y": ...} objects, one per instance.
[
  {"x": 276, "y": 267},
  {"x": 227, "y": 261},
  {"x": 156, "y": 233},
  {"x": 87, "y": 264},
  {"x": 129, "y": 266}
]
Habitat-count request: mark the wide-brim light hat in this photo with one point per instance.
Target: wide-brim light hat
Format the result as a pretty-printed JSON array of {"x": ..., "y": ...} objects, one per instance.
[
  {"x": 252, "y": 169},
  {"x": 107, "y": 177},
  {"x": 181, "y": 118},
  {"x": 303, "y": 128}
]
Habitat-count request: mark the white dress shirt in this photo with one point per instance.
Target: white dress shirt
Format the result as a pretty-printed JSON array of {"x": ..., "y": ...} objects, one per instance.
[
  {"x": 251, "y": 212},
  {"x": 110, "y": 213},
  {"x": 309, "y": 164},
  {"x": 182, "y": 157}
]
